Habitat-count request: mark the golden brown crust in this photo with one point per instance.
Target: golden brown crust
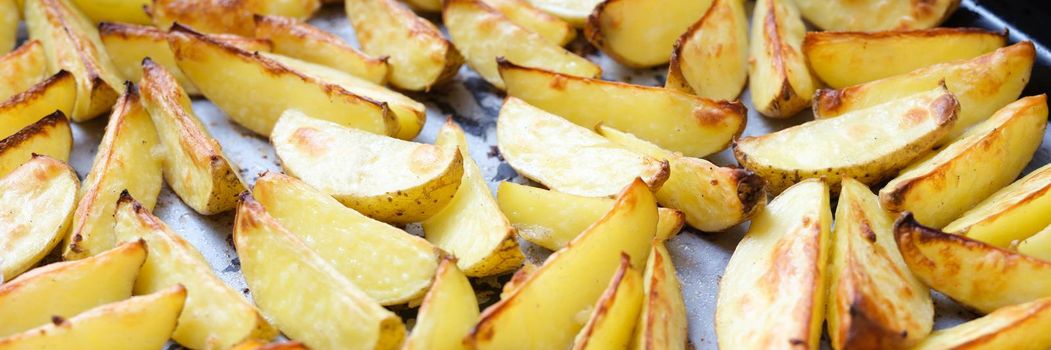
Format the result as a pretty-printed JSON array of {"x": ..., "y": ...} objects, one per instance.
[
  {"x": 37, "y": 91},
  {"x": 815, "y": 38},
  {"x": 607, "y": 299},
  {"x": 41, "y": 126}
]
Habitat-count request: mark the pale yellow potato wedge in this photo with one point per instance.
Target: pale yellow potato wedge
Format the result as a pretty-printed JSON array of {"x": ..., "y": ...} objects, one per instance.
[
  {"x": 868, "y": 145},
  {"x": 141, "y": 322},
  {"x": 640, "y": 33},
  {"x": 1020, "y": 327},
  {"x": 384, "y": 178},
  {"x": 553, "y": 29},
  {"x": 1038, "y": 245},
  {"x": 982, "y": 84},
  {"x": 842, "y": 59},
  {"x": 988, "y": 157},
  {"x": 615, "y": 313},
  {"x": 419, "y": 57},
  {"x": 713, "y": 198},
  {"x": 127, "y": 11},
  {"x": 36, "y": 204},
  {"x": 676, "y": 121},
  {"x": 483, "y": 35},
  {"x": 874, "y": 300},
  {"x": 662, "y": 321},
  {"x": 711, "y": 58},
  {"x": 874, "y": 16},
  {"x": 759, "y": 304},
  {"x": 569, "y": 158},
  {"x": 38, "y": 295},
  {"x": 541, "y": 307},
  {"x": 56, "y": 93},
  {"x": 71, "y": 42},
  {"x": 50, "y": 136},
  {"x": 129, "y": 44},
  {"x": 302, "y": 294},
  {"x": 194, "y": 164},
  {"x": 1011, "y": 214},
  {"x": 22, "y": 68},
  {"x": 778, "y": 77},
  {"x": 297, "y": 39},
  {"x": 255, "y": 344},
  {"x": 575, "y": 12},
  {"x": 223, "y": 73},
  {"x": 471, "y": 226},
  {"x": 129, "y": 158},
  {"x": 448, "y": 311},
  {"x": 972, "y": 273},
  {"x": 9, "y": 16},
  {"x": 552, "y": 219},
  {"x": 225, "y": 16},
  {"x": 349, "y": 240}
]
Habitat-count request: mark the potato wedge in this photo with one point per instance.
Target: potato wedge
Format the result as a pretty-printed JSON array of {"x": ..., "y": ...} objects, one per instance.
[
  {"x": 22, "y": 68},
  {"x": 225, "y": 16},
  {"x": 778, "y": 76},
  {"x": 471, "y": 226},
  {"x": 223, "y": 73},
  {"x": 662, "y": 322},
  {"x": 640, "y": 33},
  {"x": 71, "y": 42},
  {"x": 1038, "y": 245},
  {"x": 982, "y": 84},
  {"x": 868, "y": 145},
  {"x": 38, "y": 295},
  {"x": 1011, "y": 214},
  {"x": 616, "y": 311},
  {"x": 1013, "y": 327},
  {"x": 348, "y": 240},
  {"x": 255, "y": 344},
  {"x": 575, "y": 12},
  {"x": 129, "y": 44},
  {"x": 713, "y": 198},
  {"x": 36, "y": 204},
  {"x": 874, "y": 300},
  {"x": 759, "y": 304},
  {"x": 296, "y": 39},
  {"x": 419, "y": 56},
  {"x": 272, "y": 259},
  {"x": 553, "y": 29},
  {"x": 448, "y": 311},
  {"x": 676, "y": 121},
  {"x": 129, "y": 159},
  {"x": 941, "y": 188},
  {"x": 874, "y": 16},
  {"x": 57, "y": 93},
  {"x": 9, "y": 16},
  {"x": 585, "y": 267},
  {"x": 711, "y": 58},
  {"x": 842, "y": 59},
  {"x": 50, "y": 136},
  {"x": 142, "y": 322},
  {"x": 127, "y": 11},
  {"x": 194, "y": 164},
  {"x": 384, "y": 178},
  {"x": 975, "y": 274},
  {"x": 569, "y": 158},
  {"x": 483, "y": 35},
  {"x": 552, "y": 219}
]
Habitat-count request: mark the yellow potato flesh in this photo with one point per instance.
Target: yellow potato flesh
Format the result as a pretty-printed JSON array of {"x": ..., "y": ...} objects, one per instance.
[
  {"x": 641, "y": 33},
  {"x": 303, "y": 41},
  {"x": 615, "y": 313},
  {"x": 1037, "y": 245},
  {"x": 49, "y": 136},
  {"x": 127, "y": 11},
  {"x": 22, "y": 68},
  {"x": 575, "y": 12},
  {"x": 9, "y": 16},
  {"x": 225, "y": 16},
  {"x": 1013, "y": 327},
  {"x": 57, "y": 93},
  {"x": 553, "y": 29},
  {"x": 662, "y": 322},
  {"x": 1012, "y": 213},
  {"x": 36, "y": 205},
  {"x": 711, "y": 58},
  {"x": 778, "y": 76},
  {"x": 874, "y": 16},
  {"x": 129, "y": 44},
  {"x": 447, "y": 314}
]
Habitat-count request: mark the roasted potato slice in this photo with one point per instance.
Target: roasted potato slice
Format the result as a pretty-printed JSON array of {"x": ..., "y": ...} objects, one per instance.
[
  {"x": 22, "y": 68},
  {"x": 778, "y": 76},
  {"x": 127, "y": 11},
  {"x": 128, "y": 158},
  {"x": 142, "y": 322},
  {"x": 772, "y": 293},
  {"x": 50, "y": 136},
  {"x": 8, "y": 25},
  {"x": 1019, "y": 327},
  {"x": 553, "y": 29},
  {"x": 982, "y": 84},
  {"x": 975, "y": 274},
  {"x": 662, "y": 322},
  {"x": 57, "y": 93},
  {"x": 36, "y": 204},
  {"x": 616, "y": 311},
  {"x": 868, "y": 145},
  {"x": 1038, "y": 245},
  {"x": 640, "y": 33},
  {"x": 874, "y": 16},
  {"x": 419, "y": 57},
  {"x": 296, "y": 39},
  {"x": 711, "y": 59},
  {"x": 584, "y": 267},
  {"x": 569, "y": 158},
  {"x": 402, "y": 273},
  {"x": 223, "y": 73},
  {"x": 874, "y": 300},
  {"x": 448, "y": 311},
  {"x": 984, "y": 160},
  {"x": 225, "y": 16},
  {"x": 575, "y": 12},
  {"x": 471, "y": 227},
  {"x": 483, "y": 35},
  {"x": 1012, "y": 213},
  {"x": 842, "y": 59},
  {"x": 129, "y": 44},
  {"x": 384, "y": 178},
  {"x": 272, "y": 260}
]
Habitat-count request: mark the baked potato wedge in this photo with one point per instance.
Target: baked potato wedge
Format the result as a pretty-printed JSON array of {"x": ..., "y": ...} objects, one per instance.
[
  {"x": 50, "y": 136},
  {"x": 225, "y": 16},
  {"x": 471, "y": 226},
  {"x": 711, "y": 58},
  {"x": 574, "y": 12},
  {"x": 874, "y": 300},
  {"x": 772, "y": 294},
  {"x": 1011, "y": 214},
  {"x": 713, "y": 198},
  {"x": 615, "y": 313},
  {"x": 842, "y": 59},
  {"x": 569, "y": 158},
  {"x": 9, "y": 16},
  {"x": 348, "y": 241},
  {"x": 874, "y": 16},
  {"x": 679, "y": 122},
  {"x": 640, "y": 33},
  {"x": 778, "y": 76},
  {"x": 255, "y": 344},
  {"x": 939, "y": 189},
  {"x": 22, "y": 68},
  {"x": 553, "y": 29},
  {"x": 1038, "y": 245},
  {"x": 868, "y": 145},
  {"x": 448, "y": 311},
  {"x": 419, "y": 57},
  {"x": 300, "y": 40},
  {"x": 127, "y": 11},
  {"x": 585, "y": 267},
  {"x": 273, "y": 259},
  {"x": 36, "y": 204},
  {"x": 483, "y": 35},
  {"x": 982, "y": 85},
  {"x": 1013, "y": 327},
  {"x": 56, "y": 93},
  {"x": 662, "y": 322},
  {"x": 129, "y": 44}
]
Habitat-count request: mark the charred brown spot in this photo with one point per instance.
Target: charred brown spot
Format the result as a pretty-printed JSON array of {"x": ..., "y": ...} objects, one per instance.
[
  {"x": 311, "y": 141},
  {"x": 558, "y": 82},
  {"x": 751, "y": 190},
  {"x": 945, "y": 108}
]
